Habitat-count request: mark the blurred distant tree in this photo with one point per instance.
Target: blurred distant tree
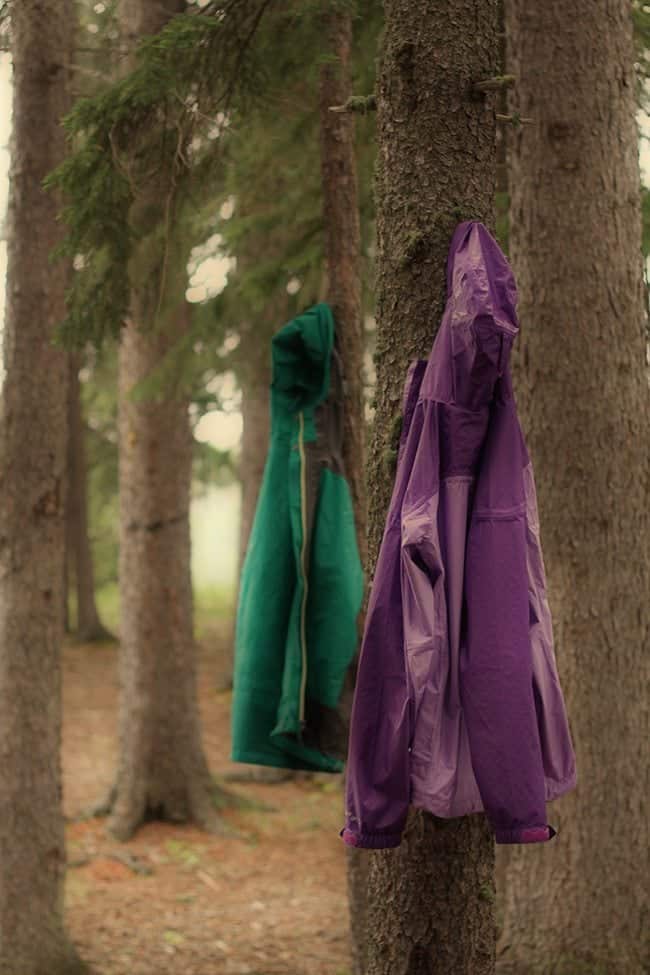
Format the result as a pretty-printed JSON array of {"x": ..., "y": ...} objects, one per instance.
[
  {"x": 162, "y": 769},
  {"x": 79, "y": 556},
  {"x": 98, "y": 382},
  {"x": 430, "y": 902},
  {"x": 343, "y": 252},
  {"x": 343, "y": 266},
  {"x": 582, "y": 904},
  {"x": 33, "y": 940},
  {"x": 254, "y": 377},
  {"x": 91, "y": 66}
]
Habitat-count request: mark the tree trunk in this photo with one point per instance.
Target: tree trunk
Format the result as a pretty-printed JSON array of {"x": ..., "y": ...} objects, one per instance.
[
  {"x": 33, "y": 940},
  {"x": 581, "y": 905},
  {"x": 256, "y": 424},
  {"x": 430, "y": 905},
  {"x": 79, "y": 553},
  {"x": 343, "y": 265},
  {"x": 162, "y": 771},
  {"x": 254, "y": 375},
  {"x": 343, "y": 249}
]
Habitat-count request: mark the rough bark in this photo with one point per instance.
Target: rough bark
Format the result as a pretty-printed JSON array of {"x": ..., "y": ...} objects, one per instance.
[
  {"x": 162, "y": 770},
  {"x": 431, "y": 900},
  {"x": 33, "y": 940},
  {"x": 581, "y": 905},
  {"x": 343, "y": 292},
  {"x": 79, "y": 559}
]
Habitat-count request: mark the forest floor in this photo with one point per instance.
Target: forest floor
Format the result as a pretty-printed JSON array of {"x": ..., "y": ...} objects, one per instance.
[{"x": 267, "y": 899}]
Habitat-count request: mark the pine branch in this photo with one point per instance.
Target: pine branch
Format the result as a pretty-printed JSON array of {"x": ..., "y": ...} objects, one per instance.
[
  {"x": 153, "y": 124},
  {"x": 357, "y": 103}
]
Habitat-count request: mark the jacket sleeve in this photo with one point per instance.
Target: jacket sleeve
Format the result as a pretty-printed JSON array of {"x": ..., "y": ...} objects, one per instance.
[
  {"x": 497, "y": 679},
  {"x": 377, "y": 771},
  {"x": 378, "y": 768},
  {"x": 379, "y": 763}
]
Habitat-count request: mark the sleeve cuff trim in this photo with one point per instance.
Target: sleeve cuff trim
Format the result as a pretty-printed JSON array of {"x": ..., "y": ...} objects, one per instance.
[
  {"x": 371, "y": 841},
  {"x": 531, "y": 834}
]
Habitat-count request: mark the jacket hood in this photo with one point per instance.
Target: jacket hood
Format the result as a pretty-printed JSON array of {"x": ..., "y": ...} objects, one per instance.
[
  {"x": 301, "y": 354},
  {"x": 478, "y": 270},
  {"x": 480, "y": 320}
]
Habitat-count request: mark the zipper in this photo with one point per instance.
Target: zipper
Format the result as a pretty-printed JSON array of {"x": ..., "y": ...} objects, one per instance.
[{"x": 303, "y": 567}]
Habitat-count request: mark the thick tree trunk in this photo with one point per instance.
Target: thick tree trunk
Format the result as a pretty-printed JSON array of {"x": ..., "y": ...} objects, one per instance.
[
  {"x": 162, "y": 771},
  {"x": 32, "y": 477},
  {"x": 343, "y": 265},
  {"x": 79, "y": 559},
  {"x": 430, "y": 906},
  {"x": 581, "y": 905}
]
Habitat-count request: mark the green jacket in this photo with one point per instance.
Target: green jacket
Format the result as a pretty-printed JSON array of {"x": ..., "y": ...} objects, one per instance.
[{"x": 301, "y": 585}]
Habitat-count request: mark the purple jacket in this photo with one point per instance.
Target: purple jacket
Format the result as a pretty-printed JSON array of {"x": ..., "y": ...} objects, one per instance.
[{"x": 458, "y": 707}]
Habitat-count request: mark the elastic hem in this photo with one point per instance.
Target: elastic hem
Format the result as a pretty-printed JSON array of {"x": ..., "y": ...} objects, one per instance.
[
  {"x": 530, "y": 834},
  {"x": 371, "y": 841}
]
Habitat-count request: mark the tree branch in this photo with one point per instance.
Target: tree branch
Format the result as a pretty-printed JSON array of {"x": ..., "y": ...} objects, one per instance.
[{"x": 357, "y": 103}]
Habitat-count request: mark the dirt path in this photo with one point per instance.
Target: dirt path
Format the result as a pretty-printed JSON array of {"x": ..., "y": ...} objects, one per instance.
[{"x": 268, "y": 900}]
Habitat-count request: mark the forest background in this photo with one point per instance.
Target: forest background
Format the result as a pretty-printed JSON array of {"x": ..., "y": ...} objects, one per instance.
[
  {"x": 216, "y": 499},
  {"x": 227, "y": 242}
]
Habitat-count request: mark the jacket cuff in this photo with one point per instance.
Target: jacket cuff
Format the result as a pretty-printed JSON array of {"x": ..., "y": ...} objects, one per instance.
[
  {"x": 530, "y": 834},
  {"x": 371, "y": 841}
]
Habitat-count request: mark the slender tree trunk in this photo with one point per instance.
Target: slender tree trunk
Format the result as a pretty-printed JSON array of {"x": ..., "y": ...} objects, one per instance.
[
  {"x": 254, "y": 375},
  {"x": 162, "y": 771},
  {"x": 582, "y": 905},
  {"x": 430, "y": 905},
  {"x": 79, "y": 553},
  {"x": 343, "y": 249},
  {"x": 343, "y": 264},
  {"x": 33, "y": 940},
  {"x": 256, "y": 423},
  {"x": 65, "y": 587}
]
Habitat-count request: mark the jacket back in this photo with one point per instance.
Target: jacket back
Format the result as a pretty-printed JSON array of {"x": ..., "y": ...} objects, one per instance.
[
  {"x": 301, "y": 584},
  {"x": 458, "y": 706}
]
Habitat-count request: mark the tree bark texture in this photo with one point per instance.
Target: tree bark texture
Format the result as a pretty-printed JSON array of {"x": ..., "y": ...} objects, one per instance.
[
  {"x": 33, "y": 940},
  {"x": 78, "y": 549},
  {"x": 341, "y": 225},
  {"x": 162, "y": 771},
  {"x": 582, "y": 904},
  {"x": 430, "y": 906}
]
